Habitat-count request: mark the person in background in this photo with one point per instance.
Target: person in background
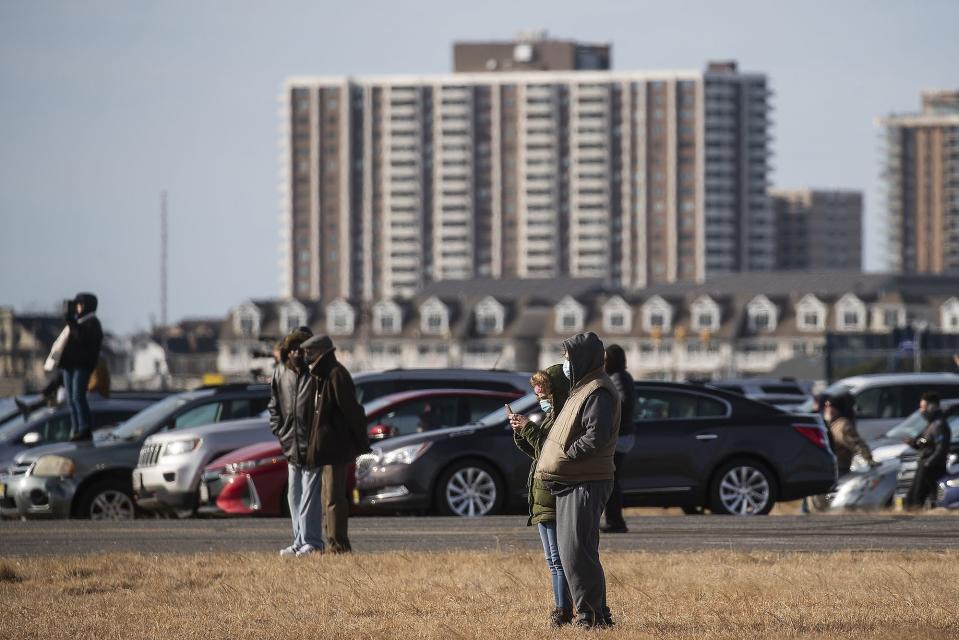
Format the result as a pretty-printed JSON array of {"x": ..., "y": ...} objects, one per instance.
[
  {"x": 933, "y": 447},
  {"x": 552, "y": 389},
  {"x": 79, "y": 359},
  {"x": 818, "y": 404},
  {"x": 576, "y": 463},
  {"x": 615, "y": 365},
  {"x": 338, "y": 436},
  {"x": 839, "y": 412},
  {"x": 291, "y": 408}
]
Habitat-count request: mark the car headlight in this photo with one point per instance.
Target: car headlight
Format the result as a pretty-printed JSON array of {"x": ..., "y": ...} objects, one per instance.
[
  {"x": 246, "y": 465},
  {"x": 952, "y": 484},
  {"x": 179, "y": 447},
  {"x": 405, "y": 455},
  {"x": 53, "y": 467}
]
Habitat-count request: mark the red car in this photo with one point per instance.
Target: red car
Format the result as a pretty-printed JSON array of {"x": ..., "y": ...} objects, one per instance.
[{"x": 252, "y": 480}]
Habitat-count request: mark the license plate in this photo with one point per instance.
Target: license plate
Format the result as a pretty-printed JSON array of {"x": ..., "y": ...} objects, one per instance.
[
  {"x": 356, "y": 496},
  {"x": 204, "y": 493},
  {"x": 3, "y": 491}
]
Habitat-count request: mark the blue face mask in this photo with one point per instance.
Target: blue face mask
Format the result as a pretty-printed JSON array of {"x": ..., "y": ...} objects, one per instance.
[
  {"x": 545, "y": 405},
  {"x": 567, "y": 370}
]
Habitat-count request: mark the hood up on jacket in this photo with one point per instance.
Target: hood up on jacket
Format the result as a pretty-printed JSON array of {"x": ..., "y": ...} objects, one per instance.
[
  {"x": 585, "y": 352},
  {"x": 559, "y": 387},
  {"x": 89, "y": 302}
]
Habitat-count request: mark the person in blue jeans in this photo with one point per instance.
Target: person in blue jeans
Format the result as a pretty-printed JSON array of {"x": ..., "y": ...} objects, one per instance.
[
  {"x": 552, "y": 388},
  {"x": 79, "y": 359}
]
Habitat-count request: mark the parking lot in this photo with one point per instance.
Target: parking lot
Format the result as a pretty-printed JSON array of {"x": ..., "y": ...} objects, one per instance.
[{"x": 507, "y": 533}]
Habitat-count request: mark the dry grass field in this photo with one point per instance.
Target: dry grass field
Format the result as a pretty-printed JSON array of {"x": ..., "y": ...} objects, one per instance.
[{"x": 476, "y": 595}]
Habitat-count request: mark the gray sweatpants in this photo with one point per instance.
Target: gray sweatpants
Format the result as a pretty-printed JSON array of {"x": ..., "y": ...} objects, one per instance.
[{"x": 578, "y": 511}]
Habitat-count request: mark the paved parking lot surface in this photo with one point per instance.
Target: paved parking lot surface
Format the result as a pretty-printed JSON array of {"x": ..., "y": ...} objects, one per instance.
[{"x": 783, "y": 533}]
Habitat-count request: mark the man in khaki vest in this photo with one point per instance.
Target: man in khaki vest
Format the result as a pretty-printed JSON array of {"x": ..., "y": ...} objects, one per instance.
[{"x": 576, "y": 462}]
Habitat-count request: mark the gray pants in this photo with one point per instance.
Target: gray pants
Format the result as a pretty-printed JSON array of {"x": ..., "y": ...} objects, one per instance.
[
  {"x": 306, "y": 506},
  {"x": 578, "y": 511}
]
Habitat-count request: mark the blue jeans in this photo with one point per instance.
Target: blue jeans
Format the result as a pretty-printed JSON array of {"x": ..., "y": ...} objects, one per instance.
[
  {"x": 547, "y": 533},
  {"x": 306, "y": 506},
  {"x": 75, "y": 383}
]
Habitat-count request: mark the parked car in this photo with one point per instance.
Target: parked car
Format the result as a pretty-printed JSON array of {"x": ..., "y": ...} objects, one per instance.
[
  {"x": 253, "y": 480},
  {"x": 373, "y": 385},
  {"x": 47, "y": 426},
  {"x": 784, "y": 393},
  {"x": 94, "y": 479},
  {"x": 168, "y": 471},
  {"x": 696, "y": 447},
  {"x": 947, "y": 496},
  {"x": 884, "y": 400},
  {"x": 865, "y": 488}
]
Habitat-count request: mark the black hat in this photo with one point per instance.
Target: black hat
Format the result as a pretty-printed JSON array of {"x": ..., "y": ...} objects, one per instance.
[{"x": 320, "y": 344}]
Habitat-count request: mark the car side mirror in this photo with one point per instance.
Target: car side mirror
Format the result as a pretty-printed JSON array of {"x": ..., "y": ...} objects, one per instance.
[{"x": 31, "y": 438}]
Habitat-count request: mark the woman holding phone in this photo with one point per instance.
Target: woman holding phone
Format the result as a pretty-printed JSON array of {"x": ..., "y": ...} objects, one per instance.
[{"x": 552, "y": 389}]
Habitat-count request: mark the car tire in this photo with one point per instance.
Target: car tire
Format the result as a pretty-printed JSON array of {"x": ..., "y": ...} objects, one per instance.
[
  {"x": 469, "y": 488},
  {"x": 743, "y": 487},
  {"x": 107, "y": 499}
]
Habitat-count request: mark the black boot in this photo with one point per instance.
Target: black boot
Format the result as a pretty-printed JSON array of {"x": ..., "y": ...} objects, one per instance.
[{"x": 560, "y": 617}]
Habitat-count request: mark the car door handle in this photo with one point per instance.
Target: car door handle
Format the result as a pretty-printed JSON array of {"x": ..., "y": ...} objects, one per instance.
[{"x": 706, "y": 436}]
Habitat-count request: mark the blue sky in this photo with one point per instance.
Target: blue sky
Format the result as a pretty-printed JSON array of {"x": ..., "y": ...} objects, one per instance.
[{"x": 103, "y": 104}]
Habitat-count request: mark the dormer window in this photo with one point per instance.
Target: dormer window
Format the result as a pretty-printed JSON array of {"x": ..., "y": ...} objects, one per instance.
[
  {"x": 762, "y": 314},
  {"x": 617, "y": 316},
  {"x": 489, "y": 316},
  {"x": 387, "y": 318},
  {"x": 949, "y": 313},
  {"x": 657, "y": 315},
  {"x": 247, "y": 320},
  {"x": 434, "y": 317},
  {"x": 292, "y": 316},
  {"x": 705, "y": 314},
  {"x": 850, "y": 313},
  {"x": 810, "y": 314},
  {"x": 340, "y": 318},
  {"x": 570, "y": 316}
]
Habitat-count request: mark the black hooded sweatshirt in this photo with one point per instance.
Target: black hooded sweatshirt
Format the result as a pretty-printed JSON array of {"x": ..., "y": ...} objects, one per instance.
[{"x": 86, "y": 336}]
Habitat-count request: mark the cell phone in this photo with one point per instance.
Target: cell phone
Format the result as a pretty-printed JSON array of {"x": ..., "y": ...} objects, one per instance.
[{"x": 509, "y": 409}]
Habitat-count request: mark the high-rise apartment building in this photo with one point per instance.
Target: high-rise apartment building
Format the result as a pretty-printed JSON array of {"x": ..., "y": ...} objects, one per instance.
[
  {"x": 921, "y": 176},
  {"x": 636, "y": 177},
  {"x": 817, "y": 230},
  {"x": 533, "y": 51}
]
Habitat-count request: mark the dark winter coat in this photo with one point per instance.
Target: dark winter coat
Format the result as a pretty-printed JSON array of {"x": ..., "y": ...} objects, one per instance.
[
  {"x": 581, "y": 443},
  {"x": 530, "y": 439},
  {"x": 627, "y": 400},
  {"x": 339, "y": 422},
  {"x": 291, "y": 408},
  {"x": 933, "y": 443},
  {"x": 86, "y": 336}
]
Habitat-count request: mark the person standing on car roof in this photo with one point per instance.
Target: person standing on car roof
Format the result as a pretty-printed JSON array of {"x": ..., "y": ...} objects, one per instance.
[
  {"x": 552, "y": 388},
  {"x": 338, "y": 436},
  {"x": 615, "y": 365},
  {"x": 576, "y": 464},
  {"x": 839, "y": 412},
  {"x": 292, "y": 392},
  {"x": 933, "y": 446},
  {"x": 79, "y": 359}
]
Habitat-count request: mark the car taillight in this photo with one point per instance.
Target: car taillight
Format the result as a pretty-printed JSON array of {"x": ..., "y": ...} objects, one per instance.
[{"x": 814, "y": 434}]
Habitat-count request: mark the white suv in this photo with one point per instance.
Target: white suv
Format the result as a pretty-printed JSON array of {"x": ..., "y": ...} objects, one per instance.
[{"x": 167, "y": 476}]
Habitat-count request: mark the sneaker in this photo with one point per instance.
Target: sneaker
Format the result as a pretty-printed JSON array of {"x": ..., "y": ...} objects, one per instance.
[
  {"x": 307, "y": 550},
  {"x": 288, "y": 552},
  {"x": 559, "y": 617},
  {"x": 614, "y": 528}
]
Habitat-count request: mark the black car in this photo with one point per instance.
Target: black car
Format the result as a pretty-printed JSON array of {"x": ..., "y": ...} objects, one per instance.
[{"x": 696, "y": 447}]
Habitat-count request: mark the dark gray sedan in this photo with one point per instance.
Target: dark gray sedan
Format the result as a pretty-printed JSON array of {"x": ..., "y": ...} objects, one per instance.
[{"x": 696, "y": 448}]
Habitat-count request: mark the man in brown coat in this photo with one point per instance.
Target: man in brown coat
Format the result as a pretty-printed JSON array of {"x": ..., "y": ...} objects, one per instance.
[{"x": 337, "y": 438}]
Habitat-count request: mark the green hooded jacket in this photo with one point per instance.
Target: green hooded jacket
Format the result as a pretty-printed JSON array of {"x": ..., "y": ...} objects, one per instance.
[{"x": 530, "y": 439}]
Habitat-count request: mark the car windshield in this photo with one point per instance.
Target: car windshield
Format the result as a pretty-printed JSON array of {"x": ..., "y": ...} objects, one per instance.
[
  {"x": 524, "y": 404},
  {"x": 141, "y": 423},
  {"x": 12, "y": 428},
  {"x": 914, "y": 425},
  {"x": 835, "y": 389}
]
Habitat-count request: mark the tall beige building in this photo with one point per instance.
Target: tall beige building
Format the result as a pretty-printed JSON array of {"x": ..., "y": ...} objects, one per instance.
[
  {"x": 639, "y": 178},
  {"x": 817, "y": 229},
  {"x": 921, "y": 176}
]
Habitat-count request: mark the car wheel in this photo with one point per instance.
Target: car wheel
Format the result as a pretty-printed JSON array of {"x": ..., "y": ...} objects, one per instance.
[
  {"x": 107, "y": 500},
  {"x": 469, "y": 489},
  {"x": 743, "y": 488}
]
